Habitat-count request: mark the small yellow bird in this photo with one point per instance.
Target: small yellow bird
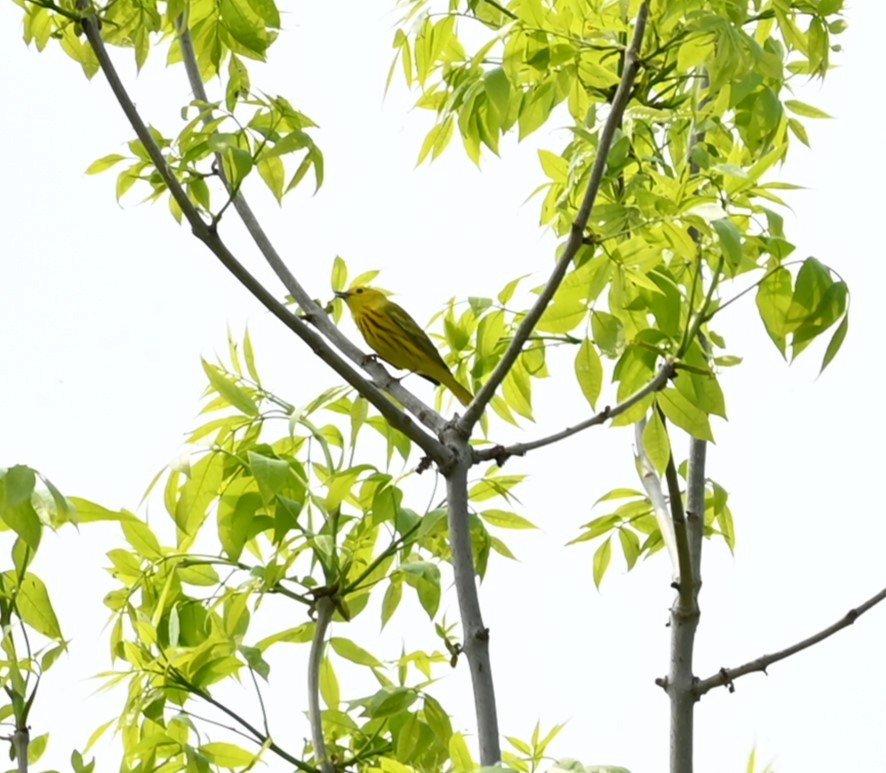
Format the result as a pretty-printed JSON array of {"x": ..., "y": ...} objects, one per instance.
[{"x": 398, "y": 339}]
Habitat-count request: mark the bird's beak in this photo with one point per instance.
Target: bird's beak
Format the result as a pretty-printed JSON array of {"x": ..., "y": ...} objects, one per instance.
[{"x": 342, "y": 294}]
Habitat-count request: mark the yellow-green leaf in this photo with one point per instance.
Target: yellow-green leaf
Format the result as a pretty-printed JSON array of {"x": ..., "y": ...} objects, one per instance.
[{"x": 589, "y": 372}]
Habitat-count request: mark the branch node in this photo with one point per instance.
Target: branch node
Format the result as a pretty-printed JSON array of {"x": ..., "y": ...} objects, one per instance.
[
  {"x": 499, "y": 454},
  {"x": 727, "y": 680}
]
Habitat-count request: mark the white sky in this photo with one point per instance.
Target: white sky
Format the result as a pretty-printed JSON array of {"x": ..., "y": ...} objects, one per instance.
[{"x": 106, "y": 310}]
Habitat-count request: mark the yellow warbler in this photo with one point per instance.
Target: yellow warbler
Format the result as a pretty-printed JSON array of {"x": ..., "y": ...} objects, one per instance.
[{"x": 398, "y": 339}]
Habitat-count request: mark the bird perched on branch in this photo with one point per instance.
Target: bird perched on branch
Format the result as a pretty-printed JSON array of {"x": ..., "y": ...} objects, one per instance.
[{"x": 398, "y": 339}]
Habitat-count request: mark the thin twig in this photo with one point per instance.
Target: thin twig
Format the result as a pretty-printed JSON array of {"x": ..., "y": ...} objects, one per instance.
[
  {"x": 209, "y": 236},
  {"x": 258, "y": 735},
  {"x": 499, "y": 453},
  {"x": 726, "y": 676},
  {"x": 389, "y": 551},
  {"x": 208, "y": 721},
  {"x": 576, "y": 236},
  {"x": 261, "y": 702}
]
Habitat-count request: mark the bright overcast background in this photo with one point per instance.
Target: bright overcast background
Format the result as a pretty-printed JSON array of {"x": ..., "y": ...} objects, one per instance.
[{"x": 105, "y": 311}]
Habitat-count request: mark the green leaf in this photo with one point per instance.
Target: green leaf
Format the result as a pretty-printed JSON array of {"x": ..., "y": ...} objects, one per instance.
[
  {"x": 234, "y": 394},
  {"x": 498, "y": 89},
  {"x": 517, "y": 391},
  {"x": 506, "y": 520},
  {"x": 462, "y": 761},
  {"x": 34, "y": 606},
  {"x": 630, "y": 546},
  {"x": 564, "y": 314},
  {"x": 244, "y": 25},
  {"x": 799, "y": 131},
  {"x": 329, "y": 689},
  {"x": 350, "y": 651},
  {"x": 390, "y": 700},
  {"x": 140, "y": 536},
  {"x": 730, "y": 241},
  {"x": 554, "y": 166},
  {"x": 227, "y": 755},
  {"x": 339, "y": 273},
  {"x": 202, "y": 575},
  {"x": 391, "y": 600},
  {"x": 105, "y": 162},
  {"x": 425, "y": 578},
  {"x": 36, "y": 747},
  {"x": 268, "y": 12},
  {"x": 272, "y": 475},
  {"x": 437, "y": 139},
  {"x": 656, "y": 443},
  {"x": 589, "y": 372},
  {"x": 807, "y": 111},
  {"x": 608, "y": 333},
  {"x": 272, "y": 171},
  {"x": 299, "y": 635},
  {"x": 16, "y": 510},
  {"x": 684, "y": 414},
  {"x": 535, "y": 108},
  {"x": 835, "y": 343},
  {"x": 602, "y": 557},
  {"x": 773, "y": 301}
]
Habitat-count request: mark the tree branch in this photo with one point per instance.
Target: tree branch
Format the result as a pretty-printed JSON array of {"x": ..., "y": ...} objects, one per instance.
[
  {"x": 476, "y": 635},
  {"x": 576, "y": 237},
  {"x": 312, "y": 312},
  {"x": 680, "y": 682},
  {"x": 325, "y": 607},
  {"x": 501, "y": 453},
  {"x": 727, "y": 676},
  {"x": 209, "y": 236}
]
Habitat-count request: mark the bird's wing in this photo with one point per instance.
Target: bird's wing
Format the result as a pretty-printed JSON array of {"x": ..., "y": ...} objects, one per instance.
[{"x": 417, "y": 337}]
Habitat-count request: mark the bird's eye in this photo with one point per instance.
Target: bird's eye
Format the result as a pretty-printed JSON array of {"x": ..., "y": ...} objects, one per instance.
[{"x": 359, "y": 290}]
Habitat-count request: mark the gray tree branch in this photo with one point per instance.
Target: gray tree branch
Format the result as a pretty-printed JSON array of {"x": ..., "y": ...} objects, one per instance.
[
  {"x": 476, "y": 635},
  {"x": 501, "y": 453},
  {"x": 726, "y": 677}
]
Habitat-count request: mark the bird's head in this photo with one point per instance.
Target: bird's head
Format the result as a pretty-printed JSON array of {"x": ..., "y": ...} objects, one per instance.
[{"x": 360, "y": 297}]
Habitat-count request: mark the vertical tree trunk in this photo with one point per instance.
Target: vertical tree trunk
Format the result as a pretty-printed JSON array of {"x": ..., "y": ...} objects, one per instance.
[
  {"x": 685, "y": 614},
  {"x": 475, "y": 633}
]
